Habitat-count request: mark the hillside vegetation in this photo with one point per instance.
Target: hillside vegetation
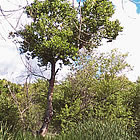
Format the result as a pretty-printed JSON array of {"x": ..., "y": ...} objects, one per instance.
[{"x": 96, "y": 101}]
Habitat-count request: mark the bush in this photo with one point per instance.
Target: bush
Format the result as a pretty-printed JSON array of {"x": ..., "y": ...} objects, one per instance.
[{"x": 98, "y": 89}]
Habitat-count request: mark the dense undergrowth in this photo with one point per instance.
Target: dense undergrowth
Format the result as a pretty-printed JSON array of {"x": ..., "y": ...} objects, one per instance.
[{"x": 90, "y": 130}]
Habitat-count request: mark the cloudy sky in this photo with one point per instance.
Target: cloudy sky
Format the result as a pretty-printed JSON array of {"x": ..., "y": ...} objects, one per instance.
[{"x": 128, "y": 13}]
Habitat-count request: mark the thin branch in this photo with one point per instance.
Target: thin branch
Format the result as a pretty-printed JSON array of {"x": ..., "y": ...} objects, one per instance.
[
  {"x": 6, "y": 19},
  {"x": 33, "y": 73},
  {"x": 57, "y": 71},
  {"x": 10, "y": 14},
  {"x": 89, "y": 34},
  {"x": 27, "y": 2},
  {"x": 80, "y": 27},
  {"x": 19, "y": 19},
  {"x": 11, "y": 11},
  {"x": 124, "y": 8},
  {"x": 21, "y": 112},
  {"x": 86, "y": 41},
  {"x": 122, "y": 4},
  {"x": 2, "y": 37},
  {"x": 14, "y": 97}
]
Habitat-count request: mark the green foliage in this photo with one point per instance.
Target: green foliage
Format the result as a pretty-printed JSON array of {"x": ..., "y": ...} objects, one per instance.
[
  {"x": 97, "y": 89},
  {"x": 96, "y": 22},
  {"x": 8, "y": 111},
  {"x": 54, "y": 33},
  {"x": 36, "y": 101},
  {"x": 22, "y": 106},
  {"x": 49, "y": 37},
  {"x": 136, "y": 107}
]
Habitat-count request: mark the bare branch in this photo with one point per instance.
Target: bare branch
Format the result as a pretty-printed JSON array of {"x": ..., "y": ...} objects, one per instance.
[
  {"x": 19, "y": 20},
  {"x": 28, "y": 67},
  {"x": 7, "y": 19},
  {"x": 57, "y": 71},
  {"x": 86, "y": 41},
  {"x": 80, "y": 27},
  {"x": 2, "y": 37},
  {"x": 11, "y": 11},
  {"x": 124, "y": 8}
]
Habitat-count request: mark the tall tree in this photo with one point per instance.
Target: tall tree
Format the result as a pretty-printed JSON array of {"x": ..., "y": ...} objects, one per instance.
[{"x": 57, "y": 33}]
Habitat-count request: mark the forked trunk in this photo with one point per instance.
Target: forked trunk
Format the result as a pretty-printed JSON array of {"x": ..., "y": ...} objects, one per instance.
[{"x": 49, "y": 109}]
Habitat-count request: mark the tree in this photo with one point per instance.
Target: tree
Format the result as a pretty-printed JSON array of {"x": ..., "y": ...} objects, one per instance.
[
  {"x": 22, "y": 106},
  {"x": 57, "y": 34}
]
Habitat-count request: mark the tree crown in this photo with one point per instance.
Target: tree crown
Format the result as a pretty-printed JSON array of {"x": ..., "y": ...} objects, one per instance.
[{"x": 57, "y": 33}]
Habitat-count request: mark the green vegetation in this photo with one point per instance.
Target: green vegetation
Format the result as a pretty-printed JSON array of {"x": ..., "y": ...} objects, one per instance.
[
  {"x": 95, "y": 102},
  {"x": 56, "y": 34},
  {"x": 97, "y": 90},
  {"x": 91, "y": 130}
]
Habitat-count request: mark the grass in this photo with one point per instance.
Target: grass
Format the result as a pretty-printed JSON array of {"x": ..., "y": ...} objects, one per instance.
[
  {"x": 91, "y": 130},
  {"x": 97, "y": 130}
]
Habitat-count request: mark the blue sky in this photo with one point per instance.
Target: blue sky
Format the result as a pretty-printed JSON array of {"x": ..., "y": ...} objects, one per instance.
[
  {"x": 81, "y": 0},
  {"x": 11, "y": 64},
  {"x": 137, "y": 3}
]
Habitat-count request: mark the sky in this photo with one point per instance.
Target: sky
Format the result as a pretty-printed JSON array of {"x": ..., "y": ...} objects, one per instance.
[
  {"x": 12, "y": 63},
  {"x": 128, "y": 14}
]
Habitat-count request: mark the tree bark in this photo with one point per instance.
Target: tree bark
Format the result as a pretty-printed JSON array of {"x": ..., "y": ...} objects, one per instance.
[{"x": 49, "y": 108}]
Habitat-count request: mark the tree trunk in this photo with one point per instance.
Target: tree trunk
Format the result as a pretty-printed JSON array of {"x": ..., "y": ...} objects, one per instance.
[{"x": 49, "y": 109}]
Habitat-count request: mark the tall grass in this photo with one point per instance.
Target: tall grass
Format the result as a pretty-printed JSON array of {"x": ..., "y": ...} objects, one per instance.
[
  {"x": 5, "y": 132},
  {"x": 91, "y": 130},
  {"x": 98, "y": 130}
]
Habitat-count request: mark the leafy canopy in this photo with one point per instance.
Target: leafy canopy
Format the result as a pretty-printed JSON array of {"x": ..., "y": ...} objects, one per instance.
[{"x": 57, "y": 33}]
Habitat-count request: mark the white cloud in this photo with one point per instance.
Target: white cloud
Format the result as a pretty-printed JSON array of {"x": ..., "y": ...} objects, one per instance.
[
  {"x": 128, "y": 40},
  {"x": 10, "y": 63}
]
